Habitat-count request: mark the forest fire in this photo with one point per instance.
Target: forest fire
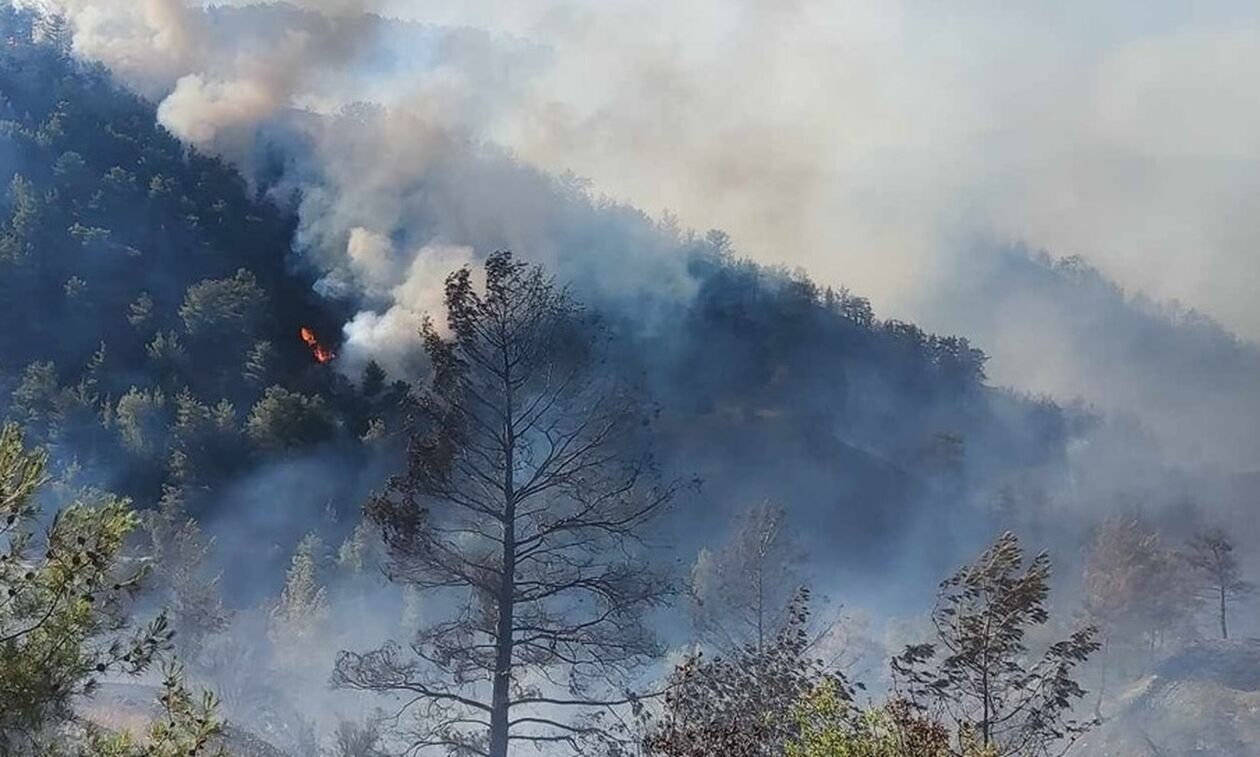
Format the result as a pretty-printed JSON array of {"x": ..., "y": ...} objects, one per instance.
[{"x": 321, "y": 353}]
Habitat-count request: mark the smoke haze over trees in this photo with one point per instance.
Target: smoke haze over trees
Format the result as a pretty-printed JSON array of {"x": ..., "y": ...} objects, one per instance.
[{"x": 275, "y": 384}]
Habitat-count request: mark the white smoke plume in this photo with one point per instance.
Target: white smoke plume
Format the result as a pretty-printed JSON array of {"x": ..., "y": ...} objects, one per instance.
[
  {"x": 390, "y": 337},
  {"x": 211, "y": 78},
  {"x": 865, "y": 141},
  {"x": 872, "y": 143}
]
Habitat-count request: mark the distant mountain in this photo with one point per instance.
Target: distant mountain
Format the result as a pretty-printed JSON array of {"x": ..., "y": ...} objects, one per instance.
[
  {"x": 159, "y": 302},
  {"x": 1059, "y": 326}
]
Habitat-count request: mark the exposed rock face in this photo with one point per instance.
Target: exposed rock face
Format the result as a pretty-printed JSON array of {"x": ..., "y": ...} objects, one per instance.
[{"x": 1203, "y": 701}]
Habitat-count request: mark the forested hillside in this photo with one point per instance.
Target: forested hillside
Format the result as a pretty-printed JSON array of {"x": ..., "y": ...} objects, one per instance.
[
  {"x": 681, "y": 520},
  {"x": 155, "y": 314},
  {"x": 1060, "y": 326},
  {"x": 162, "y": 307}
]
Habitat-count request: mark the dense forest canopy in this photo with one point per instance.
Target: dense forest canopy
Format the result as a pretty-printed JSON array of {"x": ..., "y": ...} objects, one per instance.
[
  {"x": 168, "y": 347},
  {"x": 676, "y": 504}
]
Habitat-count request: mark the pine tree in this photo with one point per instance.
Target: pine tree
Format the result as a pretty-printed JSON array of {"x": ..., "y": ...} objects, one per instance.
[
  {"x": 522, "y": 505},
  {"x": 62, "y": 602},
  {"x": 182, "y": 578},
  {"x": 740, "y": 592},
  {"x": 299, "y": 615},
  {"x": 1211, "y": 554}
]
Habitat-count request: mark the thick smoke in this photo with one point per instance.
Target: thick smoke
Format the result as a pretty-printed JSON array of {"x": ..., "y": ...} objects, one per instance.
[
  {"x": 386, "y": 337},
  {"x": 216, "y": 83},
  {"x": 870, "y": 140},
  {"x": 871, "y": 143}
]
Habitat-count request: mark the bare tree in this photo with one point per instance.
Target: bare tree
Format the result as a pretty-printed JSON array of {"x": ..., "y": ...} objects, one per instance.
[
  {"x": 1211, "y": 554},
  {"x": 979, "y": 674},
  {"x": 741, "y": 592},
  {"x": 521, "y": 511}
]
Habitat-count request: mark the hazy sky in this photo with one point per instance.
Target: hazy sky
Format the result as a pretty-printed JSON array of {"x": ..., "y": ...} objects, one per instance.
[{"x": 868, "y": 141}]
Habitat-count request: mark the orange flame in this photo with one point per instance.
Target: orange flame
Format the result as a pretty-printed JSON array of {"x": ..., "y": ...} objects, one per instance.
[{"x": 321, "y": 353}]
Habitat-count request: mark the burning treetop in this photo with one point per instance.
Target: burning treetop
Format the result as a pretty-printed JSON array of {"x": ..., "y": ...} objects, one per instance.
[{"x": 321, "y": 353}]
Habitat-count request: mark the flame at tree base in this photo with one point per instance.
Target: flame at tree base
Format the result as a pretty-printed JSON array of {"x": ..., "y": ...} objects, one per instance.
[{"x": 321, "y": 353}]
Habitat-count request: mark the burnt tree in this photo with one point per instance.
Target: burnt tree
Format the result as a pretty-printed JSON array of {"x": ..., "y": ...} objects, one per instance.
[{"x": 520, "y": 511}]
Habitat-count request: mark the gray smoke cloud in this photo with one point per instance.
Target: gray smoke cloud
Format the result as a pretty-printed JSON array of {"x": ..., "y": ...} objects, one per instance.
[
  {"x": 870, "y": 141},
  {"x": 213, "y": 79},
  {"x": 856, "y": 140},
  {"x": 886, "y": 146}
]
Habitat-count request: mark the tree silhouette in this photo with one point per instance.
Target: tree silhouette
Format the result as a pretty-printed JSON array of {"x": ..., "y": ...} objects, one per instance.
[
  {"x": 1211, "y": 554},
  {"x": 521, "y": 507},
  {"x": 978, "y": 673}
]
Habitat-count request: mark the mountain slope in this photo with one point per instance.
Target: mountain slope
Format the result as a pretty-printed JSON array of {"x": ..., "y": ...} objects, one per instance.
[
  {"x": 161, "y": 303},
  {"x": 1059, "y": 326},
  {"x": 1204, "y": 701}
]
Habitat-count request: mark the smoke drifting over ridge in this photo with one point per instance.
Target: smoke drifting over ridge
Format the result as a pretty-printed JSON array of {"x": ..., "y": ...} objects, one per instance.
[
  {"x": 874, "y": 115},
  {"x": 884, "y": 439},
  {"x": 885, "y": 146},
  {"x": 870, "y": 141}
]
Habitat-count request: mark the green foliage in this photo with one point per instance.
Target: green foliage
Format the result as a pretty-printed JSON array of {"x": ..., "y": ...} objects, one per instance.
[
  {"x": 70, "y": 165},
  {"x": 744, "y": 705},
  {"x": 373, "y": 382},
  {"x": 27, "y": 208},
  {"x": 35, "y": 400},
  {"x": 979, "y": 674},
  {"x": 1136, "y": 588},
  {"x": 829, "y": 725},
  {"x": 143, "y": 418},
  {"x": 1210, "y": 555},
  {"x": 140, "y": 312},
  {"x": 742, "y": 592},
  {"x": 207, "y": 439},
  {"x": 224, "y": 307},
  {"x": 166, "y": 352},
  {"x": 182, "y": 580},
  {"x": 119, "y": 179},
  {"x": 62, "y": 601},
  {"x": 360, "y": 549},
  {"x": 88, "y": 235},
  {"x": 75, "y": 287},
  {"x": 113, "y": 231},
  {"x": 284, "y": 420},
  {"x": 188, "y": 727},
  {"x": 258, "y": 362},
  {"x": 302, "y": 608}
]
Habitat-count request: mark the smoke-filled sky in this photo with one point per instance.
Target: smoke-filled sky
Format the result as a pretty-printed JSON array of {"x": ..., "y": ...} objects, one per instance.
[
  {"x": 871, "y": 141},
  {"x": 868, "y": 141}
]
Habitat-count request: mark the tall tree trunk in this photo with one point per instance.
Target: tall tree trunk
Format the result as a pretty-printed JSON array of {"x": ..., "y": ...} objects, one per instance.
[
  {"x": 500, "y": 696},
  {"x": 503, "y": 649},
  {"x": 761, "y": 605},
  {"x": 1224, "y": 629}
]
